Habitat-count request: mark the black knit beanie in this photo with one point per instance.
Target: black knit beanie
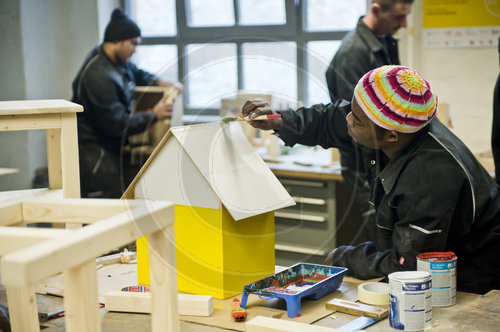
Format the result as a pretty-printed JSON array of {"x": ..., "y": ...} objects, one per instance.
[{"x": 120, "y": 27}]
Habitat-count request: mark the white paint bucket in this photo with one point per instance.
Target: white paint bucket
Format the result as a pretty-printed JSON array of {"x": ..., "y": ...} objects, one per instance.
[
  {"x": 410, "y": 300},
  {"x": 443, "y": 269}
]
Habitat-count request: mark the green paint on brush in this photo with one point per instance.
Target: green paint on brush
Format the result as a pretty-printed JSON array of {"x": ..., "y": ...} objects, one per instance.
[{"x": 228, "y": 119}]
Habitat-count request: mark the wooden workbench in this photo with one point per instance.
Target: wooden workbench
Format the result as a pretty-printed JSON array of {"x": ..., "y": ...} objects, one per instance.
[
  {"x": 305, "y": 163},
  {"x": 472, "y": 312}
]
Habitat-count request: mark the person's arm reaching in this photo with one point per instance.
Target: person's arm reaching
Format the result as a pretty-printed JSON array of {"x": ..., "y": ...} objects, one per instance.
[
  {"x": 108, "y": 114},
  {"x": 320, "y": 124},
  {"x": 423, "y": 223}
]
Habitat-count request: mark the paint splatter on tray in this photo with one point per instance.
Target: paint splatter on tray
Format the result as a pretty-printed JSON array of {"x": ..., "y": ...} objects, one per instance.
[{"x": 300, "y": 280}]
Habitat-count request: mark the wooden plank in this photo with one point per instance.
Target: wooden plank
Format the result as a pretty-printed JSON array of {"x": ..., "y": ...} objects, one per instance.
[
  {"x": 8, "y": 171},
  {"x": 28, "y": 122},
  {"x": 123, "y": 257},
  {"x": 16, "y": 238},
  {"x": 84, "y": 211},
  {"x": 483, "y": 314},
  {"x": 189, "y": 305},
  {"x": 358, "y": 309},
  {"x": 54, "y": 163},
  {"x": 43, "y": 260},
  {"x": 43, "y": 106},
  {"x": 69, "y": 156},
  {"x": 21, "y": 195},
  {"x": 163, "y": 277},
  {"x": 10, "y": 212},
  {"x": 268, "y": 324},
  {"x": 23, "y": 310},
  {"x": 80, "y": 298}
]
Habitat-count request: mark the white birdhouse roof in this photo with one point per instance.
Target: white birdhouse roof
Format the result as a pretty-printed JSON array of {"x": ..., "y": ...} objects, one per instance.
[{"x": 208, "y": 165}]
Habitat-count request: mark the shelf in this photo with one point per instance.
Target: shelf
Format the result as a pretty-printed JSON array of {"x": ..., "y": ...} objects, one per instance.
[{"x": 297, "y": 216}]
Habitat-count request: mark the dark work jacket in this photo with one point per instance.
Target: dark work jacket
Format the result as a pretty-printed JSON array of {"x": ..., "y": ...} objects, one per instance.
[
  {"x": 106, "y": 90},
  {"x": 495, "y": 132},
  {"x": 360, "y": 52},
  {"x": 433, "y": 196}
]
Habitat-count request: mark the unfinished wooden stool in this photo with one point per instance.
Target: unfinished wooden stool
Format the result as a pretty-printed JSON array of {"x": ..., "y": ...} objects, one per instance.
[
  {"x": 58, "y": 118},
  {"x": 29, "y": 255}
]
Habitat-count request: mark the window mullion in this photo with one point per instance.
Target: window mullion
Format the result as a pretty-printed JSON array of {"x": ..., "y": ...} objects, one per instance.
[
  {"x": 236, "y": 11},
  {"x": 181, "y": 13},
  {"x": 239, "y": 62},
  {"x": 301, "y": 68}
]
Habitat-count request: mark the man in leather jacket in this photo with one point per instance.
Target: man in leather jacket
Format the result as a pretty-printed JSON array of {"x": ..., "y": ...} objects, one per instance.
[
  {"x": 495, "y": 132},
  {"x": 370, "y": 45},
  {"x": 104, "y": 86},
  {"x": 429, "y": 191}
]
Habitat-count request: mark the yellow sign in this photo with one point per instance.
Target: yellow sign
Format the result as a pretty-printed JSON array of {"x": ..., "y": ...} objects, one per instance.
[{"x": 460, "y": 13}]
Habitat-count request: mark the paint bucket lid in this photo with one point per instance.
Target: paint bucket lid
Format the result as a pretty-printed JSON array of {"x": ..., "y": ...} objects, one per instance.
[
  {"x": 437, "y": 256},
  {"x": 409, "y": 276}
]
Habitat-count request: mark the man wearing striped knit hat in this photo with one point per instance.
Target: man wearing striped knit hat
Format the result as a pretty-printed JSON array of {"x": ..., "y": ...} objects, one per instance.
[{"x": 429, "y": 191}]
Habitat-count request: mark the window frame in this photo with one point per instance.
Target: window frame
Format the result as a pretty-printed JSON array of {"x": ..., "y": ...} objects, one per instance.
[{"x": 292, "y": 31}]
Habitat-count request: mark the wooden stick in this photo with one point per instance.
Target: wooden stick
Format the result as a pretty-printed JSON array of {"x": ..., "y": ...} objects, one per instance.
[
  {"x": 163, "y": 277},
  {"x": 189, "y": 305},
  {"x": 22, "y": 309},
  {"x": 358, "y": 309},
  {"x": 268, "y": 324},
  {"x": 123, "y": 257},
  {"x": 80, "y": 298}
]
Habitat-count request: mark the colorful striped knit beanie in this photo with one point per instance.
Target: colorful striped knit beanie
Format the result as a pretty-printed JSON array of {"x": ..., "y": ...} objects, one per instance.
[{"x": 396, "y": 98}]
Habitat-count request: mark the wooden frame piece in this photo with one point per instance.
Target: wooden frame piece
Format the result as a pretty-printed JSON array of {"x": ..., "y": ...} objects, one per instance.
[
  {"x": 47, "y": 252},
  {"x": 189, "y": 305},
  {"x": 268, "y": 324},
  {"x": 58, "y": 118}
]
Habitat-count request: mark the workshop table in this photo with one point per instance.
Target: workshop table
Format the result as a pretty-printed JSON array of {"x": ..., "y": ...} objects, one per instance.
[{"x": 123, "y": 322}]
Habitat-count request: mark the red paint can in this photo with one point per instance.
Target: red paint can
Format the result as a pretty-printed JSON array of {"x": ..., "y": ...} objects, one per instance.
[{"x": 443, "y": 268}]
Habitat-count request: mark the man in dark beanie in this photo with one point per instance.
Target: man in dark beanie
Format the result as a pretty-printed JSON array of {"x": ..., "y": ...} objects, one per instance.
[{"x": 104, "y": 86}]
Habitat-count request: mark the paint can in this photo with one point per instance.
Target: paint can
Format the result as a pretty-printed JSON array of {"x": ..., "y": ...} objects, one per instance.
[
  {"x": 410, "y": 300},
  {"x": 443, "y": 269}
]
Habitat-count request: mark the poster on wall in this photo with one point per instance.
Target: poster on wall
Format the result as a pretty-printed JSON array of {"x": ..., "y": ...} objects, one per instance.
[{"x": 461, "y": 23}]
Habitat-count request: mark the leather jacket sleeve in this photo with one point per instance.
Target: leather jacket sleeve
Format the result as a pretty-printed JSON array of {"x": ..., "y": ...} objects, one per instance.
[
  {"x": 323, "y": 125},
  {"x": 108, "y": 113}
]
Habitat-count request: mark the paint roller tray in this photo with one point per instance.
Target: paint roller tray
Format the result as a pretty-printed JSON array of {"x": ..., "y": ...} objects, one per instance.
[{"x": 312, "y": 281}]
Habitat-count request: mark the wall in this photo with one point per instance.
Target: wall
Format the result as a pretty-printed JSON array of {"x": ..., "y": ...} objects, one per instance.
[
  {"x": 462, "y": 77},
  {"x": 13, "y": 147},
  {"x": 44, "y": 44}
]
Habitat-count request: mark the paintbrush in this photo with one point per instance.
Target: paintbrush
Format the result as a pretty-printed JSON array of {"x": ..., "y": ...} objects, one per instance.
[{"x": 228, "y": 119}]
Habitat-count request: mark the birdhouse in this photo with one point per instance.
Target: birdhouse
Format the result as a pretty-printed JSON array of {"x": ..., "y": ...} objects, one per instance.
[{"x": 224, "y": 197}]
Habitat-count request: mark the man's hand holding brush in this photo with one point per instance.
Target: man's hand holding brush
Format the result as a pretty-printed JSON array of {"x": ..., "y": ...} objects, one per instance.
[{"x": 255, "y": 108}]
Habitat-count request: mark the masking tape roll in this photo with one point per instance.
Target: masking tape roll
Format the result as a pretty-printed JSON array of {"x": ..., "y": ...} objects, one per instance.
[{"x": 374, "y": 293}]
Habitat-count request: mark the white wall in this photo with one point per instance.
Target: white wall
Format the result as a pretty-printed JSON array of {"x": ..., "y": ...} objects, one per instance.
[
  {"x": 44, "y": 44},
  {"x": 462, "y": 77},
  {"x": 13, "y": 147}
]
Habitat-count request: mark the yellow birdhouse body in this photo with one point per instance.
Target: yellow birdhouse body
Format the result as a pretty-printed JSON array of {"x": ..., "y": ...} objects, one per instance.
[{"x": 225, "y": 196}]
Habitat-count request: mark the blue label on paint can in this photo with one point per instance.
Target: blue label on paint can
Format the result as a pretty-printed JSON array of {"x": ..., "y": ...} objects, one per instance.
[
  {"x": 410, "y": 300},
  {"x": 441, "y": 266},
  {"x": 418, "y": 286},
  {"x": 394, "y": 320}
]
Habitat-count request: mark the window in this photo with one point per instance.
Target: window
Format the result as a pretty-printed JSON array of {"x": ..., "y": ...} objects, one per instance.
[
  {"x": 219, "y": 47},
  {"x": 158, "y": 59},
  {"x": 328, "y": 15},
  {"x": 203, "y": 13},
  {"x": 155, "y": 17},
  {"x": 319, "y": 55},
  {"x": 261, "y": 12},
  {"x": 270, "y": 68},
  {"x": 211, "y": 74}
]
